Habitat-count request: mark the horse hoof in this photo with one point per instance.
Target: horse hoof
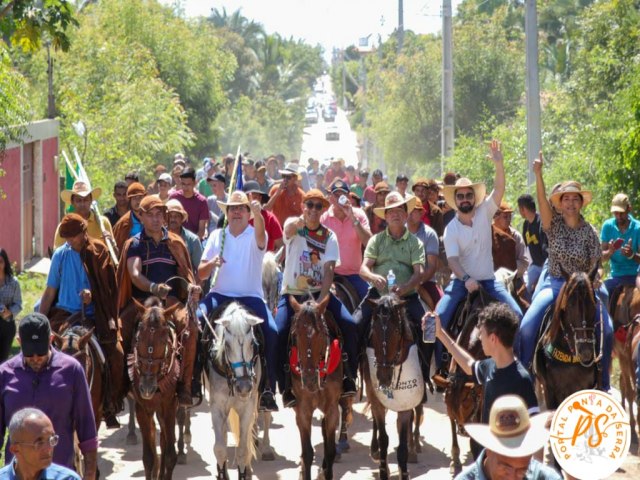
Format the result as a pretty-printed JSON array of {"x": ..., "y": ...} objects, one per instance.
[
  {"x": 268, "y": 456},
  {"x": 182, "y": 459},
  {"x": 187, "y": 438},
  {"x": 337, "y": 458},
  {"x": 132, "y": 439},
  {"x": 343, "y": 446},
  {"x": 412, "y": 457},
  {"x": 455, "y": 468},
  {"x": 384, "y": 474},
  {"x": 375, "y": 455},
  {"x": 418, "y": 446}
]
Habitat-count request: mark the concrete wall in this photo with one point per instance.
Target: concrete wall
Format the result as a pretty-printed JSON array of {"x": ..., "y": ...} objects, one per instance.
[{"x": 10, "y": 206}]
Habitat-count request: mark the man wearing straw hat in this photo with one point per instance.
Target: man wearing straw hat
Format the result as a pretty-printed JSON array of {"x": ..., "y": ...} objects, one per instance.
[
  {"x": 130, "y": 224},
  {"x": 80, "y": 197},
  {"x": 286, "y": 199},
  {"x": 237, "y": 251},
  {"x": 467, "y": 242},
  {"x": 509, "y": 440},
  {"x": 176, "y": 216}
]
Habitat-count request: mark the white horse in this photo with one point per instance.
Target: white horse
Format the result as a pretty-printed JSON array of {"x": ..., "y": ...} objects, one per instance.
[{"x": 234, "y": 373}]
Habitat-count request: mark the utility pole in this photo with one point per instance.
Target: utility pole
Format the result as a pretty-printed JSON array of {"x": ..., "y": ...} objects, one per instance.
[
  {"x": 344, "y": 82},
  {"x": 447, "y": 84},
  {"x": 400, "y": 26},
  {"x": 51, "y": 99},
  {"x": 534, "y": 142}
]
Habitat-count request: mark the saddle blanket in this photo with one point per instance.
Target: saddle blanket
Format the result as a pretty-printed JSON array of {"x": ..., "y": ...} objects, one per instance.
[{"x": 404, "y": 393}]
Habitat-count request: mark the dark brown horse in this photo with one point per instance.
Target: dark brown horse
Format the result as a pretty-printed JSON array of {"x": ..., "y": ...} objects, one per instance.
[
  {"x": 463, "y": 397},
  {"x": 569, "y": 350},
  {"x": 154, "y": 370},
  {"x": 316, "y": 380},
  {"x": 625, "y": 313},
  {"x": 393, "y": 379}
]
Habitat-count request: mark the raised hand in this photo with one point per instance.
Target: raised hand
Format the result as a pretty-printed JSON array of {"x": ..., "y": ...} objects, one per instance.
[
  {"x": 537, "y": 164},
  {"x": 495, "y": 148}
]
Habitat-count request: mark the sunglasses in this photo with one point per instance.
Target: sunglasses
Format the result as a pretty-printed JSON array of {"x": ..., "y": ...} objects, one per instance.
[
  {"x": 465, "y": 196},
  {"x": 312, "y": 205}
]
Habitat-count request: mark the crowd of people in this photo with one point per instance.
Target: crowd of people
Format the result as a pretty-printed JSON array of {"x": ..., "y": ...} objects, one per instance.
[{"x": 430, "y": 244}]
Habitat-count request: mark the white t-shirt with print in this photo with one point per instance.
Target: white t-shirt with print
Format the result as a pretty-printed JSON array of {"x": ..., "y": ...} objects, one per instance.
[
  {"x": 472, "y": 245},
  {"x": 306, "y": 255}
]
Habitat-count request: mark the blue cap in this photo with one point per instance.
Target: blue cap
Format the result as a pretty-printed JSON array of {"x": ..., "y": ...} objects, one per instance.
[{"x": 339, "y": 185}]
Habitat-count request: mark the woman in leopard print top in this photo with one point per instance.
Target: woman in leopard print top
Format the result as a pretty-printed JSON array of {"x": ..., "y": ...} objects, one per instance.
[{"x": 574, "y": 246}]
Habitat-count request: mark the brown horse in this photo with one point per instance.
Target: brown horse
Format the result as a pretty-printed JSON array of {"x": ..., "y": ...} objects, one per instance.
[
  {"x": 567, "y": 357},
  {"x": 316, "y": 380},
  {"x": 463, "y": 397},
  {"x": 393, "y": 379},
  {"x": 625, "y": 313},
  {"x": 154, "y": 370}
]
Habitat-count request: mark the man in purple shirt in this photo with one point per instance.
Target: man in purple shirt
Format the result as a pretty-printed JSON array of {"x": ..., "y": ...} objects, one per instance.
[
  {"x": 55, "y": 383},
  {"x": 193, "y": 202}
]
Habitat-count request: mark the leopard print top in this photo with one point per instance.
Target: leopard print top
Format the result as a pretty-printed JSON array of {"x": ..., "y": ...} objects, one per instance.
[{"x": 573, "y": 249}]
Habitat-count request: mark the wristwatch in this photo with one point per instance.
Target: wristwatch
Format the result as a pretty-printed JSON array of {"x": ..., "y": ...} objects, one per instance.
[
  {"x": 356, "y": 222},
  {"x": 466, "y": 277}
]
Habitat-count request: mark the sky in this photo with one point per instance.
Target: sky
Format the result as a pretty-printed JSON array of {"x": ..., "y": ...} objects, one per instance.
[{"x": 331, "y": 23}]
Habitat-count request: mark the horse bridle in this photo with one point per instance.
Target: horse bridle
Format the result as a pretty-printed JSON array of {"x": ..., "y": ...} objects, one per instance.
[
  {"x": 588, "y": 337},
  {"x": 149, "y": 360},
  {"x": 86, "y": 352},
  {"x": 385, "y": 320},
  {"x": 248, "y": 367},
  {"x": 320, "y": 372}
]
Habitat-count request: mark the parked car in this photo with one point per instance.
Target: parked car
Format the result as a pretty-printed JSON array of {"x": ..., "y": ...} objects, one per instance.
[
  {"x": 311, "y": 116},
  {"x": 332, "y": 134},
  {"x": 328, "y": 115}
]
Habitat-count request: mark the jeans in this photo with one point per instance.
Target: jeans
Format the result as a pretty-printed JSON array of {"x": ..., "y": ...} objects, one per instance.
[
  {"x": 530, "y": 325},
  {"x": 343, "y": 318},
  {"x": 456, "y": 293},
  {"x": 543, "y": 280},
  {"x": 533, "y": 275},
  {"x": 358, "y": 283},
  {"x": 612, "y": 283},
  {"x": 268, "y": 326}
]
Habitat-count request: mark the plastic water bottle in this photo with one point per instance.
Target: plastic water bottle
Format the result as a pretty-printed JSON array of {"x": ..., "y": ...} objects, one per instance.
[{"x": 391, "y": 280}]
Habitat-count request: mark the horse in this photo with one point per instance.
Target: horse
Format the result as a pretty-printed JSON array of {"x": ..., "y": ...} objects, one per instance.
[
  {"x": 234, "y": 372},
  {"x": 462, "y": 396},
  {"x": 316, "y": 378},
  {"x": 625, "y": 312},
  {"x": 515, "y": 286},
  {"x": 566, "y": 358},
  {"x": 154, "y": 370},
  {"x": 393, "y": 378}
]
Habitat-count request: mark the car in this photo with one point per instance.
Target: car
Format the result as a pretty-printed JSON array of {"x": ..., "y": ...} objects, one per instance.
[
  {"x": 328, "y": 115},
  {"x": 332, "y": 134},
  {"x": 311, "y": 116}
]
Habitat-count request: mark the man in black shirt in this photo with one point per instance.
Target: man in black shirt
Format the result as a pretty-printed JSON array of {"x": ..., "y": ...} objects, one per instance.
[
  {"x": 122, "y": 203},
  {"x": 534, "y": 238}
]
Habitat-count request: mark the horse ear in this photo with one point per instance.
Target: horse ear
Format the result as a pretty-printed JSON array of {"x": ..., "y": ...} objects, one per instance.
[
  {"x": 139, "y": 307},
  {"x": 322, "y": 306},
  {"x": 253, "y": 320},
  {"x": 294, "y": 304},
  {"x": 86, "y": 337},
  {"x": 373, "y": 301},
  {"x": 594, "y": 272},
  {"x": 57, "y": 340},
  {"x": 222, "y": 321},
  {"x": 170, "y": 311}
]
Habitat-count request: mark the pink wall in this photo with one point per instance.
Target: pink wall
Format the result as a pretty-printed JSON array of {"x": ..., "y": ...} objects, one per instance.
[
  {"x": 50, "y": 194},
  {"x": 10, "y": 226}
]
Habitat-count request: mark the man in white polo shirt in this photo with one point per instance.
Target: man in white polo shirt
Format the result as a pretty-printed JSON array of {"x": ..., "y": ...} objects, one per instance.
[
  {"x": 467, "y": 242},
  {"x": 237, "y": 251}
]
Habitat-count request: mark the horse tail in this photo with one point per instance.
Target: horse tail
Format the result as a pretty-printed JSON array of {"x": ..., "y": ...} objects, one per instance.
[{"x": 270, "y": 279}]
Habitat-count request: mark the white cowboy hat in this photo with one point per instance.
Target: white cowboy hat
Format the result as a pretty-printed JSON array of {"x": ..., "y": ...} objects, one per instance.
[
  {"x": 81, "y": 189},
  {"x": 236, "y": 198},
  {"x": 511, "y": 432},
  {"x": 570, "y": 186},
  {"x": 449, "y": 191},
  {"x": 291, "y": 169},
  {"x": 393, "y": 200},
  {"x": 174, "y": 205}
]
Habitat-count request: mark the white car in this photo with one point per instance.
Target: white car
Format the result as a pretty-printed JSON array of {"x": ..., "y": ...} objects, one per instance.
[
  {"x": 332, "y": 134},
  {"x": 311, "y": 116}
]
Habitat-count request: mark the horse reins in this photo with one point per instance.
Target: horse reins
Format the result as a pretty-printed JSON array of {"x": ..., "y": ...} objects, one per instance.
[
  {"x": 248, "y": 367},
  {"x": 574, "y": 347},
  {"x": 385, "y": 320},
  {"x": 320, "y": 371},
  {"x": 164, "y": 368}
]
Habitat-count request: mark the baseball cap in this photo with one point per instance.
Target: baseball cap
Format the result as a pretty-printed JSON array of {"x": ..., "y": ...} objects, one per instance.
[
  {"x": 35, "y": 333},
  {"x": 620, "y": 203}
]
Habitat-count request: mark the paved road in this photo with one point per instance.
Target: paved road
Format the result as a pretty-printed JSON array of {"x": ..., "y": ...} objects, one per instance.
[{"x": 119, "y": 461}]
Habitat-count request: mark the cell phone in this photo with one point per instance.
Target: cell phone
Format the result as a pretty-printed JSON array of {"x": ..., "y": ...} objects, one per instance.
[
  {"x": 429, "y": 332},
  {"x": 618, "y": 243},
  {"x": 343, "y": 200}
]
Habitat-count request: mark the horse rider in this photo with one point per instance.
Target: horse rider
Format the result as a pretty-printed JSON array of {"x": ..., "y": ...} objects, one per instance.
[
  {"x": 395, "y": 249},
  {"x": 534, "y": 238},
  {"x": 82, "y": 281},
  {"x": 129, "y": 223},
  {"x": 237, "y": 252},
  {"x": 620, "y": 237},
  {"x": 42, "y": 377},
  {"x": 351, "y": 228},
  {"x": 150, "y": 261},
  {"x": 176, "y": 216},
  {"x": 431, "y": 213},
  {"x": 312, "y": 254},
  {"x": 573, "y": 247},
  {"x": 467, "y": 242},
  {"x": 376, "y": 223},
  {"x": 429, "y": 290},
  {"x": 80, "y": 197},
  {"x": 507, "y": 245}
]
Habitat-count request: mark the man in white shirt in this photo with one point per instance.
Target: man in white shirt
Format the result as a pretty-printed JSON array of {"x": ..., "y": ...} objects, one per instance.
[
  {"x": 468, "y": 242},
  {"x": 237, "y": 251}
]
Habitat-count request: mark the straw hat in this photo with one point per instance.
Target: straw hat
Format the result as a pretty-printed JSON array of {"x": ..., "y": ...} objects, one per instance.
[
  {"x": 620, "y": 203},
  {"x": 511, "y": 432},
  {"x": 236, "y": 198},
  {"x": 81, "y": 189},
  {"x": 449, "y": 191},
  {"x": 315, "y": 194},
  {"x": 394, "y": 200},
  {"x": 504, "y": 208},
  {"x": 291, "y": 169},
  {"x": 174, "y": 205},
  {"x": 570, "y": 186}
]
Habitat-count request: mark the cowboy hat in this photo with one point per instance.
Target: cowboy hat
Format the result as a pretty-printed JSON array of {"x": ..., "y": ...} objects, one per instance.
[
  {"x": 236, "y": 198},
  {"x": 570, "y": 186},
  {"x": 511, "y": 432},
  {"x": 81, "y": 189},
  {"x": 174, "y": 205},
  {"x": 290, "y": 169},
  {"x": 449, "y": 191},
  {"x": 394, "y": 200}
]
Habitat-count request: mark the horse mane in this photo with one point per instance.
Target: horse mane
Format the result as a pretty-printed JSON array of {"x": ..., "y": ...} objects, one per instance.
[
  {"x": 154, "y": 311},
  {"x": 310, "y": 308},
  {"x": 393, "y": 303},
  {"x": 238, "y": 326},
  {"x": 578, "y": 282}
]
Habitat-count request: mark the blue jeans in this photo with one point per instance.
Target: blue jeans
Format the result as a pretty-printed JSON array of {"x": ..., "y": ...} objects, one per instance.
[
  {"x": 530, "y": 325},
  {"x": 533, "y": 275},
  {"x": 543, "y": 280},
  {"x": 343, "y": 318},
  {"x": 268, "y": 326},
  {"x": 612, "y": 283},
  {"x": 358, "y": 283},
  {"x": 456, "y": 293}
]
